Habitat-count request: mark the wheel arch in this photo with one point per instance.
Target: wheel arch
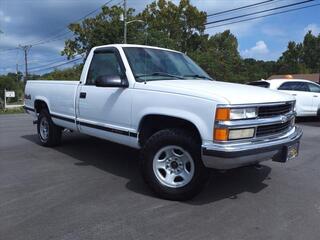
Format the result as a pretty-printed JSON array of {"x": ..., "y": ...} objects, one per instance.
[
  {"x": 152, "y": 123},
  {"x": 40, "y": 104}
]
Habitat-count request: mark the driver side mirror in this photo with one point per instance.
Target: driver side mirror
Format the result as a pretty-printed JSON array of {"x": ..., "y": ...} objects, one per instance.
[{"x": 111, "y": 81}]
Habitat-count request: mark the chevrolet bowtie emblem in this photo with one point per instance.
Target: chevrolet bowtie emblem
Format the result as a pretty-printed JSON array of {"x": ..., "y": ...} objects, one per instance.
[{"x": 284, "y": 119}]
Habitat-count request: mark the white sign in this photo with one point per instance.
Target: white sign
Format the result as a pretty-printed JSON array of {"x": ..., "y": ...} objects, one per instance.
[{"x": 10, "y": 94}]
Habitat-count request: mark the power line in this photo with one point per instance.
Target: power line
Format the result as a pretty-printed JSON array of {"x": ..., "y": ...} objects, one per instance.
[
  {"x": 34, "y": 61},
  {"x": 267, "y": 15},
  {"x": 239, "y": 8},
  {"x": 258, "y": 12},
  {"x": 9, "y": 49},
  {"x": 49, "y": 63},
  {"x": 119, "y": 3},
  {"x": 57, "y": 34},
  {"x": 44, "y": 65},
  {"x": 56, "y": 38},
  {"x": 76, "y": 20},
  {"x": 58, "y": 65}
]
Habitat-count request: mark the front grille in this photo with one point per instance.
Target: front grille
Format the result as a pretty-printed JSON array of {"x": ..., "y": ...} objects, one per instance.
[
  {"x": 273, "y": 129},
  {"x": 274, "y": 110}
]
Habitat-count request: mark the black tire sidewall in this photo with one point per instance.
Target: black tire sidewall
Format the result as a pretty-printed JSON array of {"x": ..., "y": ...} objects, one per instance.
[
  {"x": 184, "y": 140},
  {"x": 54, "y": 131}
]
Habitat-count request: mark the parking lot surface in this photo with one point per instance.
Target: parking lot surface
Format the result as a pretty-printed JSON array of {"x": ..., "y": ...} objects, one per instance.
[{"x": 91, "y": 189}]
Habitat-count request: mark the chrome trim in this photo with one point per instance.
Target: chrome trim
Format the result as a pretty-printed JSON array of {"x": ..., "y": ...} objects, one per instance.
[
  {"x": 255, "y": 139},
  {"x": 232, "y": 155},
  {"x": 256, "y": 122},
  {"x": 254, "y": 104},
  {"x": 245, "y": 123},
  {"x": 255, "y": 144}
]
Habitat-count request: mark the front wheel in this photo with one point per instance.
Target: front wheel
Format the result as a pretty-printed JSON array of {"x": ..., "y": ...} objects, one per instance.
[{"x": 172, "y": 166}]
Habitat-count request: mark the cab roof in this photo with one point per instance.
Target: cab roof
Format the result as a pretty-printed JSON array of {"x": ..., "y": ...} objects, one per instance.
[
  {"x": 282, "y": 80},
  {"x": 134, "y": 45}
]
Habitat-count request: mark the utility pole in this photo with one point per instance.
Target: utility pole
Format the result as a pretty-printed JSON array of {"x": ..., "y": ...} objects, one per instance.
[
  {"x": 5, "y": 99},
  {"x": 125, "y": 21},
  {"x": 26, "y": 49},
  {"x": 17, "y": 71}
]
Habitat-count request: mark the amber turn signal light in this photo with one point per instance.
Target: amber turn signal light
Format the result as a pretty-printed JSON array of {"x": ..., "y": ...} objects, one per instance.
[
  {"x": 223, "y": 114},
  {"x": 221, "y": 134}
]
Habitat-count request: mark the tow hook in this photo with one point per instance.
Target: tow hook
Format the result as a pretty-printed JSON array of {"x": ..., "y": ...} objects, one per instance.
[{"x": 35, "y": 122}]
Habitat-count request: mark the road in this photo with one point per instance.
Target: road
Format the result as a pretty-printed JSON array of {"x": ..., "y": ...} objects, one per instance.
[{"x": 91, "y": 189}]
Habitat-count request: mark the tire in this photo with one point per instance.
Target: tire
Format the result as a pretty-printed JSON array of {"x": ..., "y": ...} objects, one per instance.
[
  {"x": 49, "y": 134},
  {"x": 181, "y": 180}
]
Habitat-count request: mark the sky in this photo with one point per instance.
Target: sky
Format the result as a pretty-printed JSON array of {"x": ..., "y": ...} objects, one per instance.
[{"x": 30, "y": 21}]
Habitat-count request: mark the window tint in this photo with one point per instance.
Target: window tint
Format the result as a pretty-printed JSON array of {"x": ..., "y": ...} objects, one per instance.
[
  {"x": 146, "y": 61},
  {"x": 260, "y": 84},
  {"x": 103, "y": 63},
  {"x": 294, "y": 86},
  {"x": 314, "y": 87}
]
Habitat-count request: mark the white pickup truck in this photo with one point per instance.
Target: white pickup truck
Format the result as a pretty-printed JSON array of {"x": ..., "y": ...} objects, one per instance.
[{"x": 159, "y": 101}]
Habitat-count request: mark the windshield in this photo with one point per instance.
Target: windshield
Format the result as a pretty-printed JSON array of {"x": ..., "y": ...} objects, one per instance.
[{"x": 149, "y": 64}]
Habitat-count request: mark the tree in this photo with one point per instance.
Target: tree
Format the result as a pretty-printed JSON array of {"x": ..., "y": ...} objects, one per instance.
[
  {"x": 301, "y": 57},
  {"x": 219, "y": 56},
  {"x": 311, "y": 52},
  {"x": 166, "y": 25},
  {"x": 178, "y": 27},
  {"x": 181, "y": 26},
  {"x": 72, "y": 73},
  {"x": 12, "y": 82},
  {"x": 291, "y": 59},
  {"x": 104, "y": 28},
  {"x": 256, "y": 69}
]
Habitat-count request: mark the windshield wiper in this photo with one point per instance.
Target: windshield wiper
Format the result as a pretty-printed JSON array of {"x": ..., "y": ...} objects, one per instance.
[
  {"x": 162, "y": 74},
  {"x": 197, "y": 76}
]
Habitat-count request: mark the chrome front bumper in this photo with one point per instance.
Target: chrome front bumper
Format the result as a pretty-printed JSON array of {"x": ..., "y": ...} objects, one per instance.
[{"x": 233, "y": 155}]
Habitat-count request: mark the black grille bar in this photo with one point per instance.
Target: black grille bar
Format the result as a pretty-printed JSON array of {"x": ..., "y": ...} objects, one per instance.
[
  {"x": 272, "y": 129},
  {"x": 275, "y": 110}
]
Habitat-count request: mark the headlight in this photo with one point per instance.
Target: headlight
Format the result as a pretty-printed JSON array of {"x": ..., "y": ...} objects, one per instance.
[
  {"x": 226, "y": 114},
  {"x": 229, "y": 114},
  {"x": 243, "y": 113},
  {"x": 224, "y": 134},
  {"x": 241, "y": 133}
]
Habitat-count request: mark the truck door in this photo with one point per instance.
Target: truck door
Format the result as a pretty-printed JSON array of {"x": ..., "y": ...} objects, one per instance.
[{"x": 105, "y": 112}]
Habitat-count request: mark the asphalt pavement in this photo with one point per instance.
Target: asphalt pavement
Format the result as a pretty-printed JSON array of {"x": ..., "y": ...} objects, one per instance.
[{"x": 88, "y": 188}]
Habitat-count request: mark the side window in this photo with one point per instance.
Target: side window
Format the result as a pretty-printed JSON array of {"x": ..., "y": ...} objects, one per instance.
[
  {"x": 314, "y": 87},
  {"x": 294, "y": 86},
  {"x": 301, "y": 86},
  {"x": 103, "y": 63},
  {"x": 290, "y": 86}
]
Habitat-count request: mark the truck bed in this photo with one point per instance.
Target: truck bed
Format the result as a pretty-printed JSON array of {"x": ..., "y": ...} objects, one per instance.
[{"x": 60, "y": 95}]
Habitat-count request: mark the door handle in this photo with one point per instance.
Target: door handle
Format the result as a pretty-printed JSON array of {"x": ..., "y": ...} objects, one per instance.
[
  {"x": 294, "y": 94},
  {"x": 83, "y": 95},
  {"x": 315, "y": 96}
]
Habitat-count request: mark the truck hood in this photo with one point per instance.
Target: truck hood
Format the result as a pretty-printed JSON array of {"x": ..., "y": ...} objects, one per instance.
[{"x": 229, "y": 93}]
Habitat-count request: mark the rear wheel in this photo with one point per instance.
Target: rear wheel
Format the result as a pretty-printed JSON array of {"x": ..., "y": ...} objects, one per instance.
[
  {"x": 49, "y": 134},
  {"x": 172, "y": 166}
]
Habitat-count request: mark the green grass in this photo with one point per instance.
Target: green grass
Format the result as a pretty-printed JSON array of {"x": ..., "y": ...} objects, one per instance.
[{"x": 12, "y": 110}]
